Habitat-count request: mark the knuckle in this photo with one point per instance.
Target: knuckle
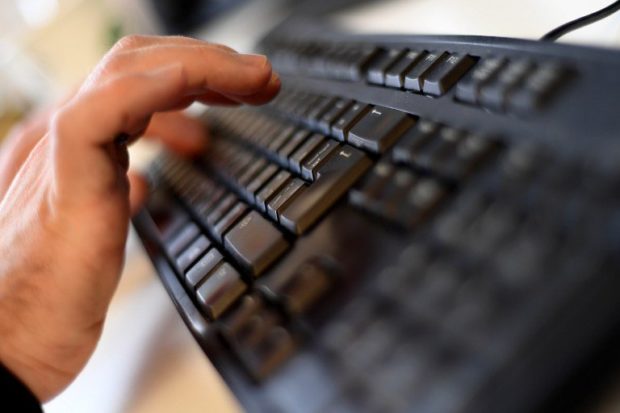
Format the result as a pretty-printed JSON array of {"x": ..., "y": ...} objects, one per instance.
[
  {"x": 131, "y": 41},
  {"x": 60, "y": 122}
]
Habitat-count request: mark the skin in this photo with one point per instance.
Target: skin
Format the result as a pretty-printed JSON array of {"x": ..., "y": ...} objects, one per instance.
[{"x": 66, "y": 196}]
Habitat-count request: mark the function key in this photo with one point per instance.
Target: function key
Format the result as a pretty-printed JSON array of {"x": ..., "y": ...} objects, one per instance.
[
  {"x": 468, "y": 90},
  {"x": 415, "y": 78},
  {"x": 538, "y": 87},
  {"x": 446, "y": 73},
  {"x": 395, "y": 76},
  {"x": 378, "y": 129},
  {"x": 378, "y": 68},
  {"x": 493, "y": 95}
]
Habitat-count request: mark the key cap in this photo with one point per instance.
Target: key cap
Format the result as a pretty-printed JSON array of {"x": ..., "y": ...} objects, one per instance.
[
  {"x": 341, "y": 127},
  {"x": 181, "y": 240},
  {"x": 191, "y": 254},
  {"x": 220, "y": 290},
  {"x": 304, "y": 150},
  {"x": 537, "y": 88},
  {"x": 468, "y": 89},
  {"x": 228, "y": 220},
  {"x": 280, "y": 140},
  {"x": 255, "y": 243},
  {"x": 283, "y": 197},
  {"x": 271, "y": 188},
  {"x": 202, "y": 268},
  {"x": 316, "y": 159},
  {"x": 260, "y": 180},
  {"x": 252, "y": 171},
  {"x": 494, "y": 94},
  {"x": 446, "y": 73},
  {"x": 377, "y": 69},
  {"x": 222, "y": 208},
  {"x": 379, "y": 129},
  {"x": 408, "y": 146},
  {"x": 395, "y": 76},
  {"x": 333, "y": 114},
  {"x": 357, "y": 61},
  {"x": 334, "y": 178},
  {"x": 314, "y": 115},
  {"x": 415, "y": 78},
  {"x": 293, "y": 143}
]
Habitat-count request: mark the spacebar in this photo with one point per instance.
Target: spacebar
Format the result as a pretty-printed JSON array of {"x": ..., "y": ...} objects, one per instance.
[{"x": 334, "y": 178}]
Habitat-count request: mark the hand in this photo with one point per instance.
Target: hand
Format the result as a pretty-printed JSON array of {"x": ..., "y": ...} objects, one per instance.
[{"x": 65, "y": 212}]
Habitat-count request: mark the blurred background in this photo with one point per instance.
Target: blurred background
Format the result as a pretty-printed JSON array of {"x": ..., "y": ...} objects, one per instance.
[{"x": 147, "y": 361}]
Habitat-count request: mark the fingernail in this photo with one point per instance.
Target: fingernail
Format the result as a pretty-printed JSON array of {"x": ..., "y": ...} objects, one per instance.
[{"x": 257, "y": 60}]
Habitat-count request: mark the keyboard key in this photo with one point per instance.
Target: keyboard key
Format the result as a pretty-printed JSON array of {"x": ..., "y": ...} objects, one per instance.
[
  {"x": 314, "y": 161},
  {"x": 192, "y": 253},
  {"x": 445, "y": 74},
  {"x": 228, "y": 220},
  {"x": 468, "y": 89},
  {"x": 203, "y": 267},
  {"x": 280, "y": 140},
  {"x": 265, "y": 194},
  {"x": 260, "y": 180},
  {"x": 255, "y": 243},
  {"x": 357, "y": 61},
  {"x": 415, "y": 138},
  {"x": 494, "y": 94},
  {"x": 304, "y": 150},
  {"x": 378, "y": 68},
  {"x": 289, "y": 147},
  {"x": 341, "y": 127},
  {"x": 220, "y": 290},
  {"x": 315, "y": 114},
  {"x": 301, "y": 289},
  {"x": 537, "y": 88},
  {"x": 395, "y": 76},
  {"x": 284, "y": 196},
  {"x": 334, "y": 178},
  {"x": 333, "y": 114},
  {"x": 379, "y": 129},
  {"x": 181, "y": 240},
  {"x": 221, "y": 209},
  {"x": 415, "y": 78}
]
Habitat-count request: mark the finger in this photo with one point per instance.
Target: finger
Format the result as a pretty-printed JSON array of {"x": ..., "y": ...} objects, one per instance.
[
  {"x": 136, "y": 41},
  {"x": 84, "y": 130},
  {"x": 262, "y": 97},
  {"x": 182, "y": 134},
  {"x": 208, "y": 68},
  {"x": 138, "y": 191}
]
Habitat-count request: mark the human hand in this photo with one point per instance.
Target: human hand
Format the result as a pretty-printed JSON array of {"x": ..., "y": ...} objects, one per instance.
[{"x": 65, "y": 206}]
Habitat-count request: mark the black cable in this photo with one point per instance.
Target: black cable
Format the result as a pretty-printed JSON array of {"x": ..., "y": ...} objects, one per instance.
[{"x": 582, "y": 21}]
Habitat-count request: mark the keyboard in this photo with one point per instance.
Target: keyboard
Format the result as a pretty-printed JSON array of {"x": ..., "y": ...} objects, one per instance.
[{"x": 415, "y": 224}]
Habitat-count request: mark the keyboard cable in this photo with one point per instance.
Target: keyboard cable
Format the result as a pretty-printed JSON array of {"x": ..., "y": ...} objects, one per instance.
[{"x": 581, "y": 22}]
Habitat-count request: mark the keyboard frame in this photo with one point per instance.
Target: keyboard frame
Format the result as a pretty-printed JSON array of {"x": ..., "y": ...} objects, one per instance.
[{"x": 561, "y": 125}]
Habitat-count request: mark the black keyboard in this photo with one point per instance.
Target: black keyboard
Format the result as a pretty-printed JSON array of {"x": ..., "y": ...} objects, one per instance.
[{"x": 415, "y": 224}]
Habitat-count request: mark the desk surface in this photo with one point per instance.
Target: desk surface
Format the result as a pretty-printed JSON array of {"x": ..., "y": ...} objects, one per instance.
[{"x": 147, "y": 361}]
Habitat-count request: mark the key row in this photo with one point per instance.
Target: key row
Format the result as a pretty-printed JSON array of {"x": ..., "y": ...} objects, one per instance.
[
  {"x": 293, "y": 178},
  {"x": 516, "y": 86},
  {"x": 334, "y": 61}
]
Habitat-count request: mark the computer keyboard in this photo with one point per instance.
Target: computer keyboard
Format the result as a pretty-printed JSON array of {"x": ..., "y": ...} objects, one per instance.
[{"x": 415, "y": 224}]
